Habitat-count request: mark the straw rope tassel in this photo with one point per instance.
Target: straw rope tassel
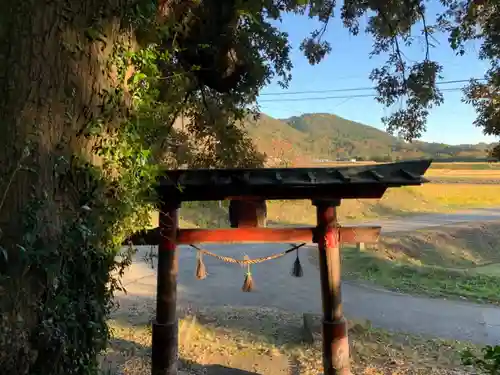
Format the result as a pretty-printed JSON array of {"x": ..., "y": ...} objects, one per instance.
[
  {"x": 297, "y": 270},
  {"x": 201, "y": 271},
  {"x": 248, "y": 283}
]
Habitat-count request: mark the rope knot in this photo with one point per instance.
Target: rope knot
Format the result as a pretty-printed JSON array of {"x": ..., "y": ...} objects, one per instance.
[{"x": 248, "y": 284}]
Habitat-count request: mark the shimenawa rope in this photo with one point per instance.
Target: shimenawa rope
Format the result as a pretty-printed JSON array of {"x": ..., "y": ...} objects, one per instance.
[{"x": 248, "y": 284}]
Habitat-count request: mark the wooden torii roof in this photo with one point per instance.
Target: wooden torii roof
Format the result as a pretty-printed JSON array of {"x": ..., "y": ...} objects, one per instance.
[{"x": 346, "y": 182}]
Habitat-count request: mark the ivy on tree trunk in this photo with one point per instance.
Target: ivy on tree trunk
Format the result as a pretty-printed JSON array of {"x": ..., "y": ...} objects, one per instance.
[{"x": 56, "y": 74}]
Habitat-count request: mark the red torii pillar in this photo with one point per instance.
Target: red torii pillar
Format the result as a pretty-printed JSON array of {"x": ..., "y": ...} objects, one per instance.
[
  {"x": 165, "y": 338},
  {"x": 327, "y": 234},
  {"x": 335, "y": 338}
]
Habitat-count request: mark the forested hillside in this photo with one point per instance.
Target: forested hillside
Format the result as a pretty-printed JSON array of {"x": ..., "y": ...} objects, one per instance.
[{"x": 330, "y": 137}]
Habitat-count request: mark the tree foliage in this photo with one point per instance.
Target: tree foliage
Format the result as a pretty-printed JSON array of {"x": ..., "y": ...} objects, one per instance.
[
  {"x": 255, "y": 40},
  {"x": 396, "y": 25}
]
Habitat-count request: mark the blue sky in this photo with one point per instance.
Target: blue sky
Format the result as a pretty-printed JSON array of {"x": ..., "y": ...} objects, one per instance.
[{"x": 348, "y": 66}]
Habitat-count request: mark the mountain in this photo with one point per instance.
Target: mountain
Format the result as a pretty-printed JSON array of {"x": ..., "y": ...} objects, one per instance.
[{"x": 330, "y": 137}]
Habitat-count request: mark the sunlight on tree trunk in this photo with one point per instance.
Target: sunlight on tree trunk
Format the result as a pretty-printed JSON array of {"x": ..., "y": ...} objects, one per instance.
[
  {"x": 54, "y": 77},
  {"x": 54, "y": 82}
]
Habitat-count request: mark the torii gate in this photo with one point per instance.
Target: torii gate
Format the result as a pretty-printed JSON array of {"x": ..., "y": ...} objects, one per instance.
[{"x": 248, "y": 189}]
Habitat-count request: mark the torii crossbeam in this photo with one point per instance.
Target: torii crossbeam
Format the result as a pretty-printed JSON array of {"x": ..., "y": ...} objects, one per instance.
[{"x": 248, "y": 189}]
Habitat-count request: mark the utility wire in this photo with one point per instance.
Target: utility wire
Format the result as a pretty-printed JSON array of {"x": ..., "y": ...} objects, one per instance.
[
  {"x": 338, "y": 97},
  {"x": 358, "y": 88},
  {"x": 318, "y": 98}
]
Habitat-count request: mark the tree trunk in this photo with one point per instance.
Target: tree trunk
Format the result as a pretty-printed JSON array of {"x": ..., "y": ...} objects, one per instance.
[{"x": 52, "y": 77}]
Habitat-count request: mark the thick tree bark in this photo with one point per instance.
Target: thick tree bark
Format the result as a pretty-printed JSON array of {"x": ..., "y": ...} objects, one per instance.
[
  {"x": 52, "y": 77},
  {"x": 51, "y": 80}
]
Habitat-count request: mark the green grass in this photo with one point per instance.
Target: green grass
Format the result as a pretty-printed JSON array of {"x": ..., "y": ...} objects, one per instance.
[
  {"x": 489, "y": 269},
  {"x": 427, "y": 280}
]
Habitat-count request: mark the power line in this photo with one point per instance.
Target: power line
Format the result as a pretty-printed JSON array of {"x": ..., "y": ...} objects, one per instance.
[
  {"x": 338, "y": 97},
  {"x": 357, "y": 88},
  {"x": 319, "y": 98}
]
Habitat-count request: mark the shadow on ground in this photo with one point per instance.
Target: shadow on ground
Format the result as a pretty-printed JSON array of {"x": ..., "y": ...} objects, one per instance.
[
  {"x": 136, "y": 359},
  {"x": 262, "y": 326},
  {"x": 213, "y": 340},
  {"x": 223, "y": 370}
]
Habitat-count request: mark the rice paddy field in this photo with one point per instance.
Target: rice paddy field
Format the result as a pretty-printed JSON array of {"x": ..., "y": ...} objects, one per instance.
[{"x": 479, "y": 173}]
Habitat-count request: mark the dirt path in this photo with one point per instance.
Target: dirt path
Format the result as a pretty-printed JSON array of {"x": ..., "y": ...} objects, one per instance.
[{"x": 276, "y": 288}]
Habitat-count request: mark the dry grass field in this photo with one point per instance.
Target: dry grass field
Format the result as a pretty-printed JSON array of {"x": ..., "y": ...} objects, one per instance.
[
  {"x": 466, "y": 166},
  {"x": 230, "y": 341},
  {"x": 464, "y": 175}
]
